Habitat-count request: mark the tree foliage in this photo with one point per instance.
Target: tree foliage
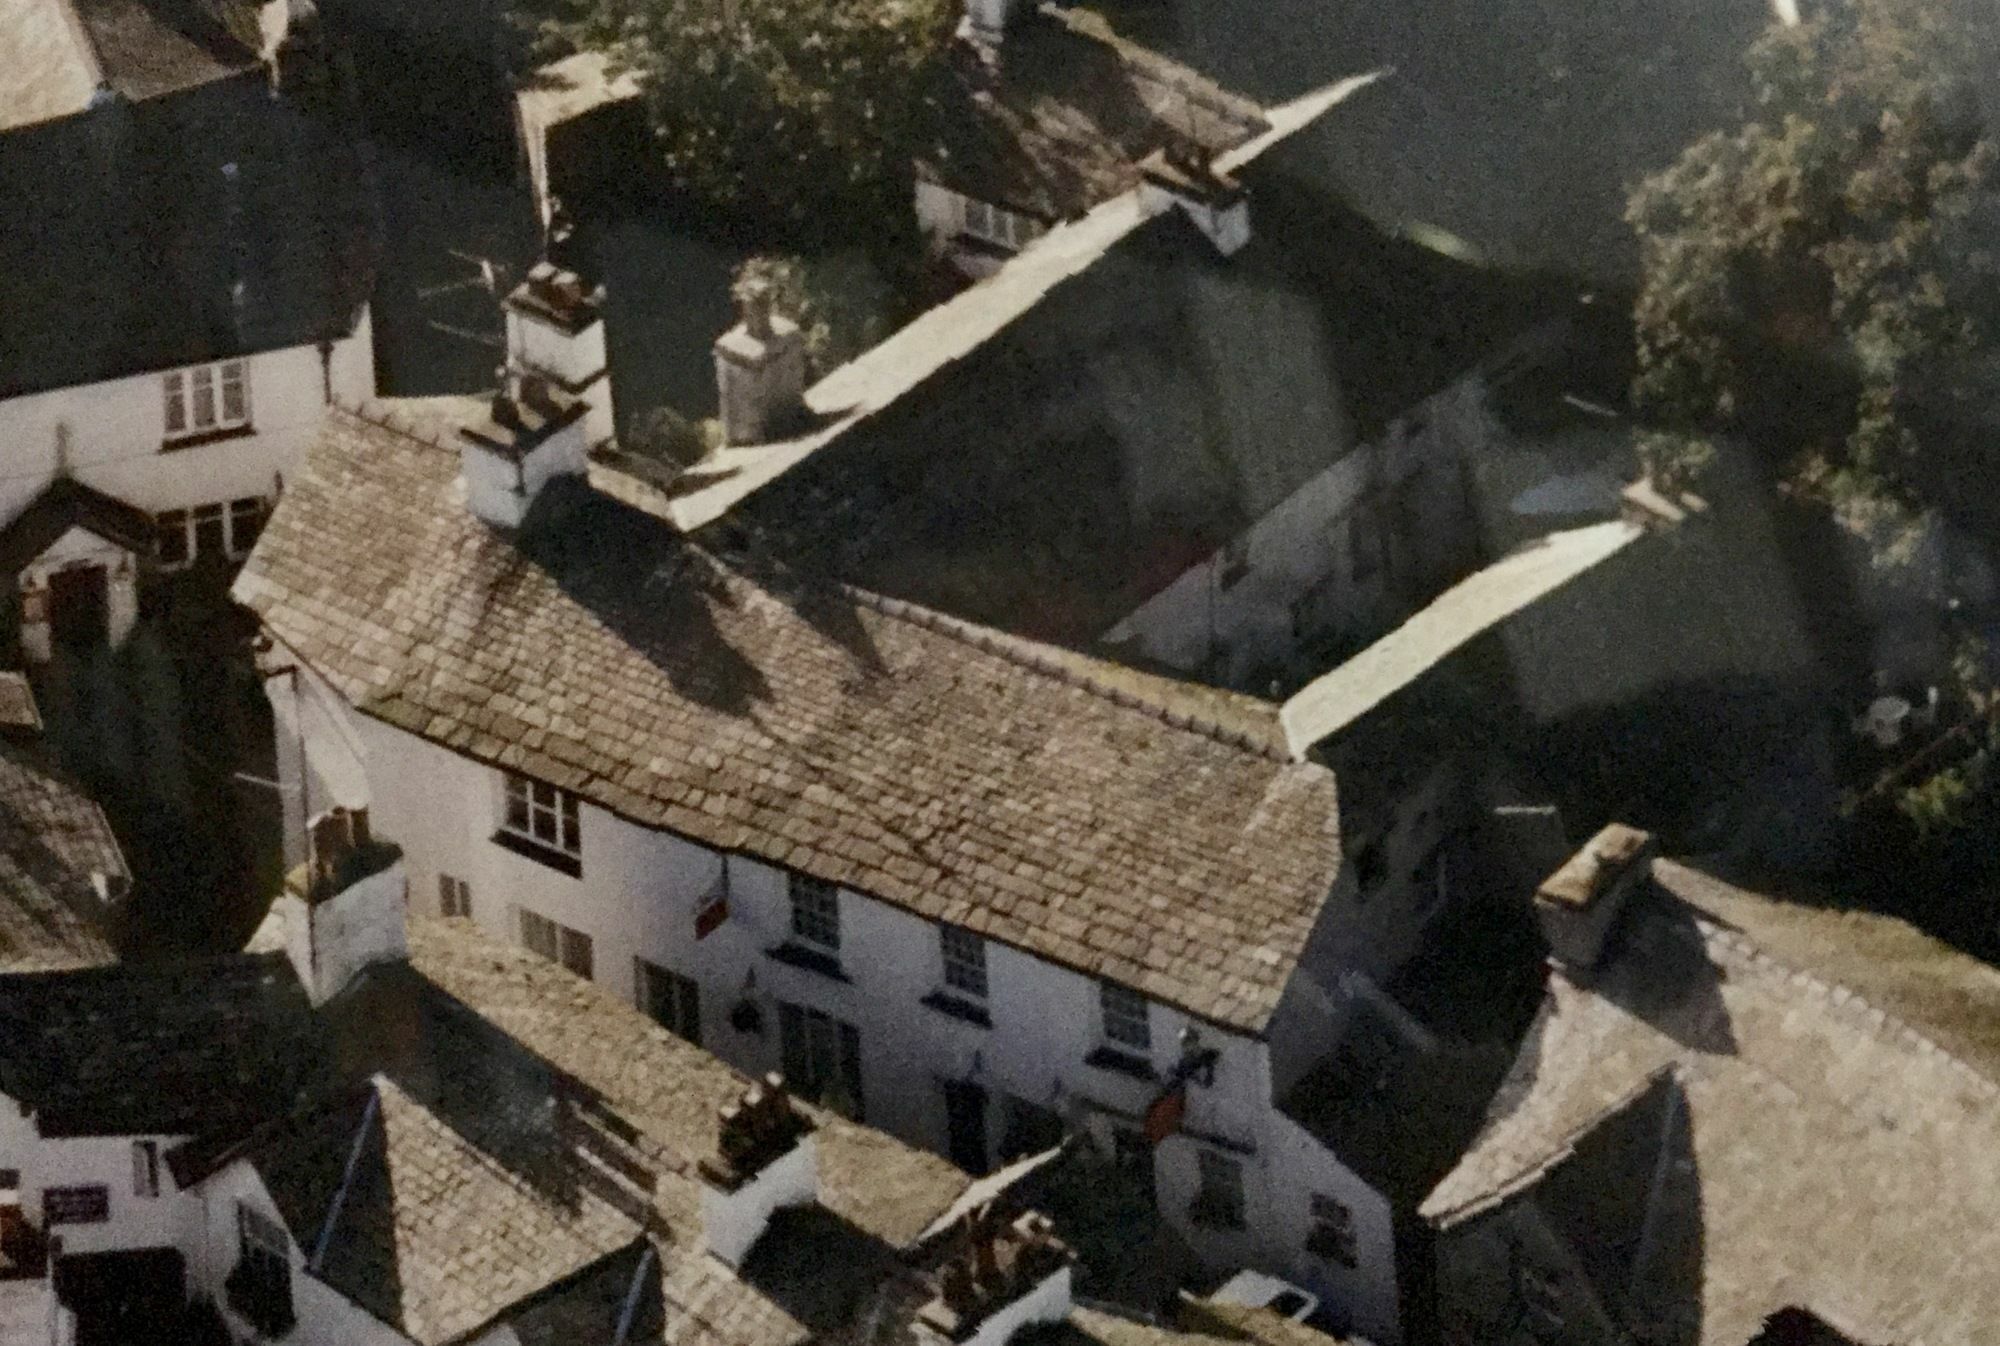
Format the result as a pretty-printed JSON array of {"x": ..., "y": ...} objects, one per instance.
[
  {"x": 840, "y": 300},
  {"x": 802, "y": 112},
  {"x": 1804, "y": 274}
]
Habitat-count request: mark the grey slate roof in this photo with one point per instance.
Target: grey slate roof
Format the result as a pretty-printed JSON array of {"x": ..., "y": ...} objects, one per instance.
[
  {"x": 154, "y": 232},
  {"x": 60, "y": 865},
  {"x": 1834, "y": 1155},
  {"x": 1071, "y": 109},
  {"x": 957, "y": 773},
  {"x": 522, "y": 1132},
  {"x": 66, "y": 504},
  {"x": 197, "y": 1048}
]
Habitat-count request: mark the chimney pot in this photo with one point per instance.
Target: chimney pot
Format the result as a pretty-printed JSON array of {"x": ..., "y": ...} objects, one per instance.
[{"x": 1578, "y": 906}]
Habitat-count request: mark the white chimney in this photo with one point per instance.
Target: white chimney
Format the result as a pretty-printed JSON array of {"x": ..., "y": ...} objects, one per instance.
[
  {"x": 555, "y": 328},
  {"x": 342, "y": 911},
  {"x": 987, "y": 21},
  {"x": 766, "y": 1160},
  {"x": 1578, "y": 906},
  {"x": 532, "y": 433},
  {"x": 1002, "y": 1278},
  {"x": 1215, "y": 202},
  {"x": 760, "y": 370},
  {"x": 274, "y": 25}
]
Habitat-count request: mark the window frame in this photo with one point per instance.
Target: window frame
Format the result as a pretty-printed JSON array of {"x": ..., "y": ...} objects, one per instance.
[
  {"x": 1219, "y": 1199},
  {"x": 681, "y": 1001},
  {"x": 454, "y": 897},
  {"x": 966, "y": 971},
  {"x": 815, "y": 1049},
  {"x": 538, "y": 800},
  {"x": 195, "y": 401},
  {"x": 1128, "y": 1026},
  {"x": 146, "y": 1169},
  {"x": 815, "y": 912}
]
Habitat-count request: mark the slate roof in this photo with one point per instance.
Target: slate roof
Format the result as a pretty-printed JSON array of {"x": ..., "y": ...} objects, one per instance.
[
  {"x": 519, "y": 1127},
  {"x": 193, "y": 1049},
  {"x": 67, "y": 504},
  {"x": 18, "y": 712},
  {"x": 156, "y": 232},
  {"x": 1147, "y": 403},
  {"x": 60, "y": 865},
  {"x": 1063, "y": 120},
  {"x": 1827, "y": 1152},
  {"x": 955, "y": 773}
]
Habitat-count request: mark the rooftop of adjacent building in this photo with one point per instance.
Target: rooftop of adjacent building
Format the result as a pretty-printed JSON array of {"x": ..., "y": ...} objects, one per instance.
[
  {"x": 57, "y": 55},
  {"x": 1764, "y": 1046}
]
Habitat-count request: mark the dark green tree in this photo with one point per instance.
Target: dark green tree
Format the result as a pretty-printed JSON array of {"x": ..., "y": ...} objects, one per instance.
[
  {"x": 802, "y": 112},
  {"x": 1806, "y": 275}
]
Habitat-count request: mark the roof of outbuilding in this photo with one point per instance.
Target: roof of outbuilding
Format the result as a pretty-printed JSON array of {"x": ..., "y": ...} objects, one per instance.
[
  {"x": 66, "y": 504},
  {"x": 60, "y": 864},
  {"x": 939, "y": 767},
  {"x": 519, "y": 1127},
  {"x": 1060, "y": 121},
  {"x": 195, "y": 1049},
  {"x": 1702, "y": 1032}
]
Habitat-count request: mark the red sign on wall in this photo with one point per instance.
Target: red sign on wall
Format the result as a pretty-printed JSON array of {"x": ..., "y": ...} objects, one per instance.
[{"x": 710, "y": 917}]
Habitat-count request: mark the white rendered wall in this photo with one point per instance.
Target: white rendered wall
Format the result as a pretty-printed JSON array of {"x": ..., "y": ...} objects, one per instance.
[
  {"x": 329, "y": 942},
  {"x": 732, "y": 1222},
  {"x": 85, "y": 1161},
  {"x": 111, "y": 434}
]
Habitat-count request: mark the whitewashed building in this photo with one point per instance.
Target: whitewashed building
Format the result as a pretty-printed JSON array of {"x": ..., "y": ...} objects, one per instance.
[{"x": 184, "y": 241}]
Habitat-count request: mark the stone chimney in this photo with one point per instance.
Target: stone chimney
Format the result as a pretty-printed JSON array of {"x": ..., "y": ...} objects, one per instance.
[
  {"x": 274, "y": 25},
  {"x": 986, "y": 21},
  {"x": 1001, "y": 1278},
  {"x": 1578, "y": 906},
  {"x": 342, "y": 910},
  {"x": 555, "y": 329},
  {"x": 532, "y": 433},
  {"x": 766, "y": 1160},
  {"x": 1181, "y": 176},
  {"x": 760, "y": 370}
]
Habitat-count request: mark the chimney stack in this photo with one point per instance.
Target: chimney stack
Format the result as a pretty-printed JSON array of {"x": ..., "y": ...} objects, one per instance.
[
  {"x": 986, "y": 21},
  {"x": 1578, "y": 906},
  {"x": 1182, "y": 176},
  {"x": 532, "y": 433},
  {"x": 342, "y": 910},
  {"x": 274, "y": 25},
  {"x": 760, "y": 370},
  {"x": 765, "y": 1161},
  {"x": 555, "y": 328},
  {"x": 1000, "y": 1278}
]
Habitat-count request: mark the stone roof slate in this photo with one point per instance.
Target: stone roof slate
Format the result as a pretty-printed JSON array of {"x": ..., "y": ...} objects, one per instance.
[
  {"x": 1831, "y": 1155},
  {"x": 868, "y": 742},
  {"x": 60, "y": 865}
]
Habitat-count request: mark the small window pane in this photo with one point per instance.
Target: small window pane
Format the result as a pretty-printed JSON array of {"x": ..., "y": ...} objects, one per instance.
[
  {"x": 815, "y": 911},
  {"x": 1125, "y": 1017},
  {"x": 203, "y": 381},
  {"x": 174, "y": 387},
  {"x": 210, "y": 539},
  {"x": 246, "y": 520},
  {"x": 577, "y": 953},
  {"x": 235, "y": 394},
  {"x": 964, "y": 960},
  {"x": 173, "y": 537}
]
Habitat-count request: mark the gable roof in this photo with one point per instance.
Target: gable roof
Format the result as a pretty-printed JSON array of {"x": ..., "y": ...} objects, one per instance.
[
  {"x": 67, "y": 504},
  {"x": 1765, "y": 1079},
  {"x": 518, "y": 1127},
  {"x": 1060, "y": 121},
  {"x": 170, "y": 231},
  {"x": 197, "y": 1048},
  {"x": 965, "y": 776}
]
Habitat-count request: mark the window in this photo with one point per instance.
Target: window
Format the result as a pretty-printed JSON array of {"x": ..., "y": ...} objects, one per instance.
[
  {"x": 454, "y": 896},
  {"x": 672, "y": 1000},
  {"x": 211, "y": 531},
  {"x": 1125, "y": 1021},
  {"x": 227, "y": 528},
  {"x": 557, "y": 943},
  {"x": 246, "y": 521},
  {"x": 816, "y": 912},
  {"x": 260, "y": 1288},
  {"x": 174, "y": 543},
  {"x": 206, "y": 399},
  {"x": 539, "y": 812},
  {"x": 146, "y": 1168},
  {"x": 964, "y": 960},
  {"x": 1331, "y": 1238},
  {"x": 1219, "y": 1201},
  {"x": 821, "y": 1058}
]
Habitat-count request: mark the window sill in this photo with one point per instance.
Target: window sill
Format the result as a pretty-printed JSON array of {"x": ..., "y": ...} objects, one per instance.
[
  {"x": 560, "y": 861},
  {"x": 963, "y": 1010},
  {"x": 1121, "y": 1063},
  {"x": 808, "y": 960},
  {"x": 204, "y": 437}
]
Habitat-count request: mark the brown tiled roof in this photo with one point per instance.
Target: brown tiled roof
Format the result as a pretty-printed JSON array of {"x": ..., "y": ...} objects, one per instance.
[
  {"x": 867, "y": 742},
  {"x": 1071, "y": 109},
  {"x": 1827, "y": 1152},
  {"x": 518, "y": 1126}
]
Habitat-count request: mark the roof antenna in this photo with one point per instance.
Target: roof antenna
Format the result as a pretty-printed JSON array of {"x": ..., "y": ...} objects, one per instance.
[{"x": 495, "y": 279}]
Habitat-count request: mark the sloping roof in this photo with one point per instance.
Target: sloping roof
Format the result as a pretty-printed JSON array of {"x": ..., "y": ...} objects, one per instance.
[
  {"x": 933, "y": 765},
  {"x": 67, "y": 504},
  {"x": 520, "y": 1126},
  {"x": 60, "y": 865},
  {"x": 60, "y": 820},
  {"x": 147, "y": 48},
  {"x": 152, "y": 234},
  {"x": 47, "y": 69},
  {"x": 1830, "y": 1154},
  {"x": 18, "y": 712},
  {"x": 1060, "y": 122},
  {"x": 195, "y": 1048}
]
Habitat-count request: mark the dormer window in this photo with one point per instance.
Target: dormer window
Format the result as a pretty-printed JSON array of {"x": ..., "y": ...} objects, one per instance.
[
  {"x": 206, "y": 399},
  {"x": 541, "y": 822}
]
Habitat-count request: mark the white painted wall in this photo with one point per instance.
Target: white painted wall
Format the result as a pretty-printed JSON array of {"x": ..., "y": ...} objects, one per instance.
[
  {"x": 1365, "y": 1294},
  {"x": 733, "y": 1221},
  {"x": 81, "y": 1161},
  {"x": 330, "y": 941},
  {"x": 111, "y": 434}
]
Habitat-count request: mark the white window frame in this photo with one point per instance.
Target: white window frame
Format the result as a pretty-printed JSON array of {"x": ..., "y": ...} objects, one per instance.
[
  {"x": 197, "y": 401},
  {"x": 815, "y": 912},
  {"x": 1127, "y": 1017},
  {"x": 528, "y": 805},
  {"x": 963, "y": 955},
  {"x": 237, "y": 539}
]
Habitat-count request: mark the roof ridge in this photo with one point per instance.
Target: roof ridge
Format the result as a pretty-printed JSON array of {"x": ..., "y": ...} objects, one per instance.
[
  {"x": 1888, "y": 1028},
  {"x": 1022, "y": 652},
  {"x": 384, "y": 414}
]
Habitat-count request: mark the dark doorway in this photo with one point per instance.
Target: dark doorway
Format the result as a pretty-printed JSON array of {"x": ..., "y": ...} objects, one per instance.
[
  {"x": 80, "y": 606},
  {"x": 121, "y": 1297},
  {"x": 965, "y": 1125}
]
